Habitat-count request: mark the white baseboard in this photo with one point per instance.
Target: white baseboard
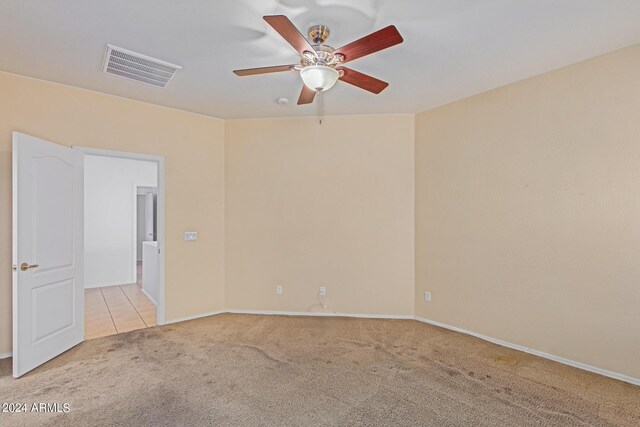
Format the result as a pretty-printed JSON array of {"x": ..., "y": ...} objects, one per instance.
[
  {"x": 322, "y": 314},
  {"x": 538, "y": 353},
  {"x": 497, "y": 341},
  {"x": 195, "y": 316},
  {"x": 291, "y": 313},
  {"x": 146, "y": 294}
]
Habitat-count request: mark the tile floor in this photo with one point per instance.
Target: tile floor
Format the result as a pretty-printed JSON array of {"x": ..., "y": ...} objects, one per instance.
[{"x": 112, "y": 310}]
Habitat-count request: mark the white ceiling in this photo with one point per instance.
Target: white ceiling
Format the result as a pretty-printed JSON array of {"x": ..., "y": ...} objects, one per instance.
[{"x": 452, "y": 48}]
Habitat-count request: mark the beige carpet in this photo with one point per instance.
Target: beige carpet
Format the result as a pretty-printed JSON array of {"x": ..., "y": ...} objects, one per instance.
[{"x": 244, "y": 370}]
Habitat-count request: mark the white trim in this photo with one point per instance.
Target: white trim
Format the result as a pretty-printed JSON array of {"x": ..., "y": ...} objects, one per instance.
[
  {"x": 322, "y": 314},
  {"x": 134, "y": 270},
  {"x": 195, "y": 316},
  {"x": 538, "y": 353},
  {"x": 503, "y": 343},
  {"x": 146, "y": 294},
  {"x": 6, "y": 355},
  {"x": 119, "y": 154},
  {"x": 160, "y": 237},
  {"x": 292, "y": 313}
]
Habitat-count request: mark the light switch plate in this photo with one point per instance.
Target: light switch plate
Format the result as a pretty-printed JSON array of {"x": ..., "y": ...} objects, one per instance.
[{"x": 190, "y": 235}]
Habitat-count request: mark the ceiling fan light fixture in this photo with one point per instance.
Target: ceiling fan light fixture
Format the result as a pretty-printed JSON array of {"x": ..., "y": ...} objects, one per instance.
[{"x": 319, "y": 77}]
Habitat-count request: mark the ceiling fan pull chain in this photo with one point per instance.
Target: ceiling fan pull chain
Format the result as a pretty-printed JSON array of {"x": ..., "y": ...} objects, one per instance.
[{"x": 320, "y": 106}]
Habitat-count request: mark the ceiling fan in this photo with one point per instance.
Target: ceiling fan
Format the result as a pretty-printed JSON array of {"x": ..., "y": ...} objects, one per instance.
[{"x": 321, "y": 65}]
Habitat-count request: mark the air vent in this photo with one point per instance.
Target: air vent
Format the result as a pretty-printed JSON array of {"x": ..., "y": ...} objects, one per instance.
[{"x": 142, "y": 68}]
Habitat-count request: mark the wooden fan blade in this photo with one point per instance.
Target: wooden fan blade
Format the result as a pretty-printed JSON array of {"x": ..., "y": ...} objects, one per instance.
[
  {"x": 286, "y": 29},
  {"x": 262, "y": 70},
  {"x": 363, "y": 81},
  {"x": 374, "y": 42},
  {"x": 306, "y": 96}
]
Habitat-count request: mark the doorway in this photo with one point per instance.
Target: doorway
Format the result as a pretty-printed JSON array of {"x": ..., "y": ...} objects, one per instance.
[
  {"x": 146, "y": 236},
  {"x": 122, "y": 242},
  {"x": 48, "y": 246}
]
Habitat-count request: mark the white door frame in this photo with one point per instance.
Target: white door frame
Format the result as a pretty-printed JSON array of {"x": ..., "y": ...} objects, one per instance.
[{"x": 159, "y": 160}]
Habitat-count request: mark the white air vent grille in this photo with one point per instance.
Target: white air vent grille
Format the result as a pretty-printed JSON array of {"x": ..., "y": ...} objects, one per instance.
[{"x": 135, "y": 66}]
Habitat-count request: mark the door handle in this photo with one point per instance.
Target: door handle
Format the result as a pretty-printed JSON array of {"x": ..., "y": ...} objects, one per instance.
[{"x": 24, "y": 266}]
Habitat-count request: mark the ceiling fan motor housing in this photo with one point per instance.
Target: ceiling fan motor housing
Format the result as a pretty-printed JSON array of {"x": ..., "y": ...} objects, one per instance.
[
  {"x": 323, "y": 53},
  {"x": 318, "y": 34}
]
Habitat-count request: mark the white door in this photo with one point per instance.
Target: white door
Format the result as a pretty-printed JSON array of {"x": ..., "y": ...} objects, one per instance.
[
  {"x": 48, "y": 281},
  {"x": 148, "y": 220}
]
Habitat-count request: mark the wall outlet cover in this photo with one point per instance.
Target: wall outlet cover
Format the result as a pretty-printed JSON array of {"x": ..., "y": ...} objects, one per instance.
[
  {"x": 323, "y": 291},
  {"x": 190, "y": 235},
  {"x": 279, "y": 289},
  {"x": 427, "y": 296}
]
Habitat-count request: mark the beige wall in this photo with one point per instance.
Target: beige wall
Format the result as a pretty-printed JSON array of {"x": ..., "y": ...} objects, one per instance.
[
  {"x": 311, "y": 206},
  {"x": 528, "y": 213},
  {"x": 193, "y": 147},
  {"x": 527, "y": 206}
]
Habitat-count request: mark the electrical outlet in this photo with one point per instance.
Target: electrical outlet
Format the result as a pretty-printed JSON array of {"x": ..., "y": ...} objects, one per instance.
[
  {"x": 190, "y": 235},
  {"x": 279, "y": 289},
  {"x": 427, "y": 296},
  {"x": 323, "y": 291}
]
